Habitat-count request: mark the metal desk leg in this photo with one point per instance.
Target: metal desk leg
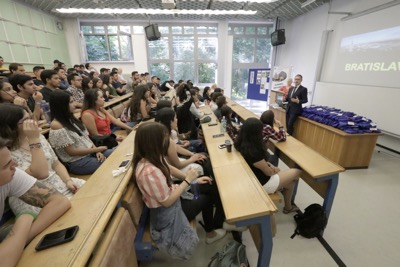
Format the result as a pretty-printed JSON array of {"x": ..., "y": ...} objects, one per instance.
[
  {"x": 330, "y": 192},
  {"x": 295, "y": 190},
  {"x": 264, "y": 256}
]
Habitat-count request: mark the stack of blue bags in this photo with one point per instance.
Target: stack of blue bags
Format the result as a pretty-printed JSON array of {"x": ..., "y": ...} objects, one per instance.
[{"x": 348, "y": 122}]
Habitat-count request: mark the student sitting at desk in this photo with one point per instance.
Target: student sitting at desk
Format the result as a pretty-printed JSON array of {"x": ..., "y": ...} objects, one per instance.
[
  {"x": 17, "y": 183},
  {"x": 70, "y": 138},
  {"x": 31, "y": 151},
  {"x": 7, "y": 93},
  {"x": 231, "y": 129},
  {"x": 169, "y": 210},
  {"x": 253, "y": 149},
  {"x": 108, "y": 87},
  {"x": 268, "y": 119},
  {"x": 96, "y": 119},
  {"x": 139, "y": 106},
  {"x": 167, "y": 117}
]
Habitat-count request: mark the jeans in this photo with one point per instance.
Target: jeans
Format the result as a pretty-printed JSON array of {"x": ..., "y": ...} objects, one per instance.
[{"x": 87, "y": 165}]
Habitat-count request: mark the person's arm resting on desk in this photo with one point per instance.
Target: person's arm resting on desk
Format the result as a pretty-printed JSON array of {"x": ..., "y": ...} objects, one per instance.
[
  {"x": 26, "y": 226},
  {"x": 53, "y": 205}
]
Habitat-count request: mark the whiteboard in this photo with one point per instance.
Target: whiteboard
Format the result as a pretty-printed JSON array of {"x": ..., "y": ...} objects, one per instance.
[{"x": 380, "y": 104}]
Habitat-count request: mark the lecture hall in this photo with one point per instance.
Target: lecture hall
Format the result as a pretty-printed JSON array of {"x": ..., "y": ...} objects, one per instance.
[{"x": 199, "y": 133}]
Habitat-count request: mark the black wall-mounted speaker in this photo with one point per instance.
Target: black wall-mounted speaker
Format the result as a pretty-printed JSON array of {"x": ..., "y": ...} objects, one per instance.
[{"x": 152, "y": 32}]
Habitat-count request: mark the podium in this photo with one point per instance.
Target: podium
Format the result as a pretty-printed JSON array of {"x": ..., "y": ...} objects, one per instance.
[{"x": 275, "y": 98}]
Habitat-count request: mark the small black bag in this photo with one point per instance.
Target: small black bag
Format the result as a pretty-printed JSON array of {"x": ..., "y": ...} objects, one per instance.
[
  {"x": 109, "y": 141},
  {"x": 311, "y": 223}
]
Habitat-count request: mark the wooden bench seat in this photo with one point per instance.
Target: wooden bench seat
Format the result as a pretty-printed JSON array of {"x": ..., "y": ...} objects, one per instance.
[{"x": 116, "y": 246}]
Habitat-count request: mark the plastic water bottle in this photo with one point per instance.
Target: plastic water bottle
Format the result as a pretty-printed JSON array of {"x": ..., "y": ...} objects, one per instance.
[
  {"x": 223, "y": 125},
  {"x": 194, "y": 188},
  {"x": 46, "y": 111}
]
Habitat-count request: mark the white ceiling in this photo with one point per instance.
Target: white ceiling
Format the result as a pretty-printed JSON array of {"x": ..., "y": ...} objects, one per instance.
[{"x": 284, "y": 9}]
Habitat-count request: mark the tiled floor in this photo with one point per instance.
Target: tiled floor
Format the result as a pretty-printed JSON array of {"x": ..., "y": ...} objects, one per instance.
[{"x": 363, "y": 229}]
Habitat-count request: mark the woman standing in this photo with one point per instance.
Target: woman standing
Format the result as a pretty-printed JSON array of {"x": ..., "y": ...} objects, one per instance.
[
  {"x": 70, "y": 138},
  {"x": 32, "y": 153},
  {"x": 253, "y": 149},
  {"x": 169, "y": 212}
]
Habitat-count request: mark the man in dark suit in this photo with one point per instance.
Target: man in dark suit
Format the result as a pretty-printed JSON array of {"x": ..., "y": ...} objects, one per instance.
[{"x": 297, "y": 96}]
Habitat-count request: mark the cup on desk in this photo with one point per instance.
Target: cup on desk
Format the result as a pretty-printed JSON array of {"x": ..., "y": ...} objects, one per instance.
[{"x": 228, "y": 145}]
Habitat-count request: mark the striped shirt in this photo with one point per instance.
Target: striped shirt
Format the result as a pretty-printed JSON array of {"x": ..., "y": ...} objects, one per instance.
[{"x": 152, "y": 183}]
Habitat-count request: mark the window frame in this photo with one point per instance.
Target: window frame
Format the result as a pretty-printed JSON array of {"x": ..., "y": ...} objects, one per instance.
[
  {"x": 211, "y": 30},
  {"x": 106, "y": 35}
]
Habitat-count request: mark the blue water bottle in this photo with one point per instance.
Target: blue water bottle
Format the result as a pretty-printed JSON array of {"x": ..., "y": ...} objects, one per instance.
[
  {"x": 46, "y": 111},
  {"x": 194, "y": 188}
]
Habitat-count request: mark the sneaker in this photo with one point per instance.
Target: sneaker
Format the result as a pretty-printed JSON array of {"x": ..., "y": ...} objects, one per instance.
[
  {"x": 220, "y": 233},
  {"x": 232, "y": 227}
]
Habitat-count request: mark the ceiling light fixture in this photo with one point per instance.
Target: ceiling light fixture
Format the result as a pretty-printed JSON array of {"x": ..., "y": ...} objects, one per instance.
[
  {"x": 252, "y": 1},
  {"x": 154, "y": 11},
  {"x": 306, "y": 3}
]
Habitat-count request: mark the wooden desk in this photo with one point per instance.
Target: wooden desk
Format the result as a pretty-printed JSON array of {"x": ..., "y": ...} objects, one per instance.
[
  {"x": 108, "y": 105},
  {"x": 92, "y": 207},
  {"x": 319, "y": 173},
  {"x": 244, "y": 200},
  {"x": 117, "y": 100},
  {"x": 347, "y": 150}
]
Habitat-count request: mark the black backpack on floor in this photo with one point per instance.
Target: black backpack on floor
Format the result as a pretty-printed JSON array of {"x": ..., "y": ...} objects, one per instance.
[{"x": 311, "y": 223}]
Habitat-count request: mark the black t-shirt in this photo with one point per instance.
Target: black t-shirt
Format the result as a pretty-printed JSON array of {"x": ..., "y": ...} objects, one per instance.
[
  {"x": 31, "y": 103},
  {"x": 251, "y": 159}
]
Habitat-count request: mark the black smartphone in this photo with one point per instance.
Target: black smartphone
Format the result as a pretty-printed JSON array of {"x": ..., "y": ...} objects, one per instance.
[
  {"x": 212, "y": 124},
  {"x": 222, "y": 146},
  {"x": 124, "y": 163},
  {"x": 218, "y": 135},
  {"x": 57, "y": 238}
]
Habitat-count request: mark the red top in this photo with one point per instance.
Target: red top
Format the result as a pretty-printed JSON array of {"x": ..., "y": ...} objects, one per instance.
[{"x": 102, "y": 124}]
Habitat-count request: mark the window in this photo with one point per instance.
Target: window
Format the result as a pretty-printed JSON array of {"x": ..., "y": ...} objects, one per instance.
[
  {"x": 108, "y": 42},
  {"x": 185, "y": 52},
  {"x": 251, "y": 49}
]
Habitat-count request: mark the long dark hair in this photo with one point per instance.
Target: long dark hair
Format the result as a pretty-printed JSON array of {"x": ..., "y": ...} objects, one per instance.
[
  {"x": 250, "y": 140},
  {"x": 89, "y": 101},
  {"x": 106, "y": 79},
  {"x": 59, "y": 107},
  {"x": 205, "y": 93},
  {"x": 85, "y": 84},
  {"x": 150, "y": 85},
  {"x": 268, "y": 118},
  {"x": 10, "y": 116},
  {"x": 226, "y": 112},
  {"x": 95, "y": 81},
  {"x": 181, "y": 92},
  {"x": 165, "y": 116},
  {"x": 138, "y": 95},
  {"x": 150, "y": 144}
]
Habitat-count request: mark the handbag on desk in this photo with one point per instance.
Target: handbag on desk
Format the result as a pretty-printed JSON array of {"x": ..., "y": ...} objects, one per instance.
[{"x": 109, "y": 140}]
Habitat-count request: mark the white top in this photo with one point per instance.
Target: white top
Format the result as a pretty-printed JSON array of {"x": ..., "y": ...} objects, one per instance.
[{"x": 18, "y": 186}]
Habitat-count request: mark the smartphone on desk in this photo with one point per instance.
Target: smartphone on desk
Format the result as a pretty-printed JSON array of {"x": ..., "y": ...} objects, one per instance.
[
  {"x": 124, "y": 163},
  {"x": 222, "y": 146},
  {"x": 218, "y": 135},
  {"x": 212, "y": 124},
  {"x": 57, "y": 238}
]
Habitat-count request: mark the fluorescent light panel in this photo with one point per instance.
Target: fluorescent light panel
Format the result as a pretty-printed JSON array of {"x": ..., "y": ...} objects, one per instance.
[{"x": 154, "y": 11}]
